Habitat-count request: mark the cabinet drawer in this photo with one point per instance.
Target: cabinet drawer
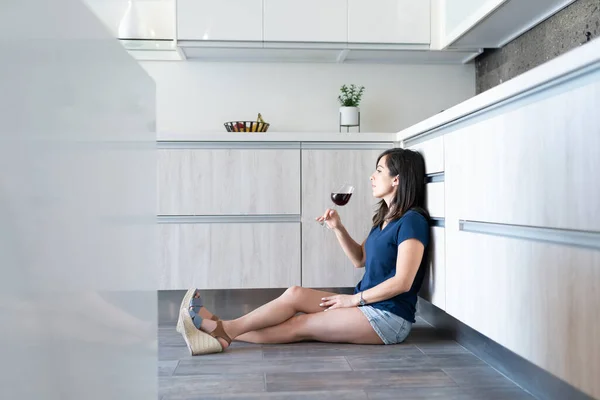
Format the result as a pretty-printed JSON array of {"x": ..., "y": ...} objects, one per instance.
[
  {"x": 433, "y": 153},
  {"x": 435, "y": 199},
  {"x": 434, "y": 285},
  {"x": 536, "y": 165},
  {"x": 519, "y": 280},
  {"x": 228, "y": 182},
  {"x": 229, "y": 255}
]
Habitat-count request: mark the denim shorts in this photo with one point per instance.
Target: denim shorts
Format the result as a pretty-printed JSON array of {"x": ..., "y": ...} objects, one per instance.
[{"x": 391, "y": 328}]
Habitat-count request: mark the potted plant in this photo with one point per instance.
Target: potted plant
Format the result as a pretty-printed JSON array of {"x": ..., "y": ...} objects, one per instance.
[{"x": 349, "y": 99}]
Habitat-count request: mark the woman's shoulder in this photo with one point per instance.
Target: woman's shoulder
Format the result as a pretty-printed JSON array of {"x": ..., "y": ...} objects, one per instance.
[
  {"x": 415, "y": 216},
  {"x": 411, "y": 217},
  {"x": 413, "y": 224}
]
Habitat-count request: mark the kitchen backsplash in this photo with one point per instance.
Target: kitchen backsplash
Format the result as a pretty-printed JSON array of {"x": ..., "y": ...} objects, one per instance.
[{"x": 302, "y": 97}]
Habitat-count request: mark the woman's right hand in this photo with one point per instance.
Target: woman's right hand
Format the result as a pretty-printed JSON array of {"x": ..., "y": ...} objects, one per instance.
[{"x": 331, "y": 218}]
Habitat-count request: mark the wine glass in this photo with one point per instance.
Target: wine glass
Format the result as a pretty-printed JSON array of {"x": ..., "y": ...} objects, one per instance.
[{"x": 340, "y": 197}]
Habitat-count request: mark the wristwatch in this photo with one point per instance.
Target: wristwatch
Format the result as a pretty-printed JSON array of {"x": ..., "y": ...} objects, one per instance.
[{"x": 362, "y": 301}]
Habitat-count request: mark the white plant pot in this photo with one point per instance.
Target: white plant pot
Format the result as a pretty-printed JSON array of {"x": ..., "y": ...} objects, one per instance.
[{"x": 349, "y": 116}]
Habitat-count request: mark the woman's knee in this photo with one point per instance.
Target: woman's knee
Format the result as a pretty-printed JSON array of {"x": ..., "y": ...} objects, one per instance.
[{"x": 293, "y": 293}]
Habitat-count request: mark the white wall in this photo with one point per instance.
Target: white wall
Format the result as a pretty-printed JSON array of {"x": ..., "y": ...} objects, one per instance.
[{"x": 302, "y": 97}]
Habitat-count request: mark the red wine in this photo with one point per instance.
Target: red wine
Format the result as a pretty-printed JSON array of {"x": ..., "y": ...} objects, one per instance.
[{"x": 341, "y": 199}]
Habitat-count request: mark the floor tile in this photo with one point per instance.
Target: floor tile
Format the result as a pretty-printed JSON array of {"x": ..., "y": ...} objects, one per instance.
[
  {"x": 329, "y": 349},
  {"x": 451, "y": 393},
  {"x": 316, "y": 395},
  {"x": 185, "y": 387},
  {"x": 483, "y": 376},
  {"x": 198, "y": 365},
  {"x": 166, "y": 368},
  {"x": 359, "y": 380}
]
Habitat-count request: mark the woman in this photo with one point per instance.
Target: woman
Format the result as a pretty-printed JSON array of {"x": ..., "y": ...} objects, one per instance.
[{"x": 382, "y": 308}]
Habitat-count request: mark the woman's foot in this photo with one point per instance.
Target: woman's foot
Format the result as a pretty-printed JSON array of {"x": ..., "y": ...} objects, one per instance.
[
  {"x": 202, "y": 336},
  {"x": 194, "y": 294},
  {"x": 210, "y": 326}
]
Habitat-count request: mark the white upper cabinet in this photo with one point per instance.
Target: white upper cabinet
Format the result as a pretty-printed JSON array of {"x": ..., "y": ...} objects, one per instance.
[
  {"x": 148, "y": 20},
  {"x": 468, "y": 24},
  {"x": 236, "y": 20},
  {"x": 389, "y": 21},
  {"x": 306, "y": 20},
  {"x": 333, "y": 21}
]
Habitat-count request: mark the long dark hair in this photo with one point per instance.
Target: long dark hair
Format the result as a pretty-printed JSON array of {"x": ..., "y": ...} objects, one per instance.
[{"x": 409, "y": 165}]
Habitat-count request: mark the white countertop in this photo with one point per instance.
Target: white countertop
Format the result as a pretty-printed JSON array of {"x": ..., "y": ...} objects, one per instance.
[
  {"x": 278, "y": 137},
  {"x": 578, "y": 59}
]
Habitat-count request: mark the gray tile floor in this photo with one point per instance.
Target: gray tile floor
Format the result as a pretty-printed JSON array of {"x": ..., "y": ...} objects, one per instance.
[{"x": 426, "y": 366}]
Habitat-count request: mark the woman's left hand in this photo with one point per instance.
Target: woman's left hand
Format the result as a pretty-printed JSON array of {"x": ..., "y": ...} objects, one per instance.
[{"x": 339, "y": 301}]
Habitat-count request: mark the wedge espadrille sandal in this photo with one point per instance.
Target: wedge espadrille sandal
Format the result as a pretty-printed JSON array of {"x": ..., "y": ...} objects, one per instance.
[
  {"x": 198, "y": 341},
  {"x": 190, "y": 300}
]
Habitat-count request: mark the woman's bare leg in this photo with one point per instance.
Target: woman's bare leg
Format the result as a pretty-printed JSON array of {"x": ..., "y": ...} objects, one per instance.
[
  {"x": 303, "y": 298},
  {"x": 294, "y": 300},
  {"x": 342, "y": 325}
]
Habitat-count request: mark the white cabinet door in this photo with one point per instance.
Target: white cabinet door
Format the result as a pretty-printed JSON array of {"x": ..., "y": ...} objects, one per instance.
[
  {"x": 229, "y": 255},
  {"x": 324, "y": 263},
  {"x": 228, "y": 181},
  {"x": 305, "y": 21},
  {"x": 433, "y": 154},
  {"x": 551, "y": 290},
  {"x": 157, "y": 17},
  {"x": 434, "y": 285},
  {"x": 389, "y": 21},
  {"x": 434, "y": 199},
  {"x": 237, "y": 20}
]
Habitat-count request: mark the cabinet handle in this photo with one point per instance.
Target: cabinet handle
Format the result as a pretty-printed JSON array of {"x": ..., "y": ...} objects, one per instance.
[{"x": 567, "y": 237}]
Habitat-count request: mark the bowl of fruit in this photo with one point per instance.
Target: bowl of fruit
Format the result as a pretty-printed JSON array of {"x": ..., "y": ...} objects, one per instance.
[{"x": 247, "y": 126}]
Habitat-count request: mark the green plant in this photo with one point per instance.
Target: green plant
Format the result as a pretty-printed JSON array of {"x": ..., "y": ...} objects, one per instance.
[{"x": 350, "y": 95}]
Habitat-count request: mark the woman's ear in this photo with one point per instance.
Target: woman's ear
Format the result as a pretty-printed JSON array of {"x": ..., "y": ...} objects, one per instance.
[{"x": 396, "y": 181}]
